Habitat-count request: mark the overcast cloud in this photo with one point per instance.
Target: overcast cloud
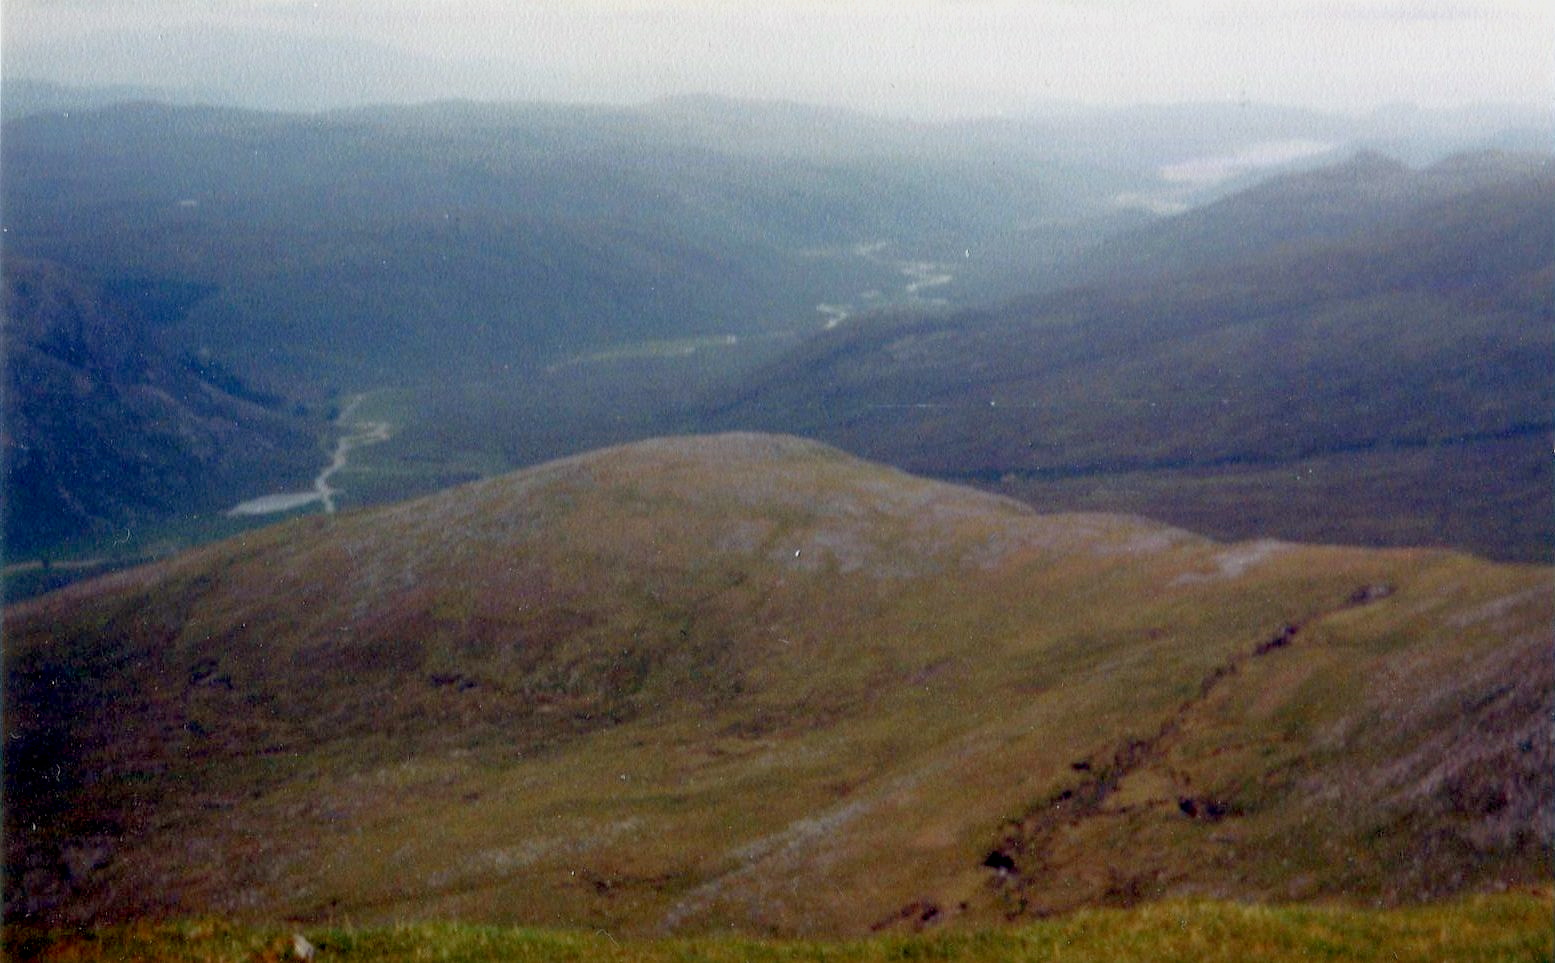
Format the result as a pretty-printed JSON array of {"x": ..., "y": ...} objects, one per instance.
[{"x": 930, "y": 57}]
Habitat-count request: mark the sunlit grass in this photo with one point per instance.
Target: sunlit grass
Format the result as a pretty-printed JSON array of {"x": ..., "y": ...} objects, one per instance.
[{"x": 1504, "y": 929}]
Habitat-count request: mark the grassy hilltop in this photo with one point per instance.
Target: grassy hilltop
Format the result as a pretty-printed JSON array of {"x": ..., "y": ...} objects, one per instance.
[{"x": 747, "y": 682}]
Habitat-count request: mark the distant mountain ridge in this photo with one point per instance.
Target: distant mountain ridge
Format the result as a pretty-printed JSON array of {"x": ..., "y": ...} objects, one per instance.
[
  {"x": 458, "y": 241},
  {"x": 1412, "y": 324},
  {"x": 380, "y": 243},
  {"x": 491, "y": 245},
  {"x": 21, "y": 97},
  {"x": 514, "y": 231},
  {"x": 1327, "y": 204},
  {"x": 747, "y": 682}
]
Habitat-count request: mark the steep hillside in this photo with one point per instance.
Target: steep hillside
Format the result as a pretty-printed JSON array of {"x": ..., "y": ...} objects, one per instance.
[
  {"x": 1415, "y": 350},
  {"x": 107, "y": 430},
  {"x": 747, "y": 681}
]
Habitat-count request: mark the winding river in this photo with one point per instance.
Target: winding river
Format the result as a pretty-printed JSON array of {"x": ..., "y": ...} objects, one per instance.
[
  {"x": 920, "y": 275},
  {"x": 359, "y": 434}
]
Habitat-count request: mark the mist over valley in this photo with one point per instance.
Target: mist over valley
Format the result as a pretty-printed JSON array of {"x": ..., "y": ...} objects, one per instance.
[{"x": 865, "y": 509}]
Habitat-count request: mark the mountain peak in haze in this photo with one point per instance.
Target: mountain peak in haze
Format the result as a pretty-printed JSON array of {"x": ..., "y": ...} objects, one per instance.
[{"x": 1369, "y": 163}]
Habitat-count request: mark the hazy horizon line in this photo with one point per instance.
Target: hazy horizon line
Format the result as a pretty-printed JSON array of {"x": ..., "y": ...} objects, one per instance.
[{"x": 1037, "y": 108}]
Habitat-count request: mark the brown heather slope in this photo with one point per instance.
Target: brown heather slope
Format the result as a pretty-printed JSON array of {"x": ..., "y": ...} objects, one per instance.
[{"x": 747, "y": 681}]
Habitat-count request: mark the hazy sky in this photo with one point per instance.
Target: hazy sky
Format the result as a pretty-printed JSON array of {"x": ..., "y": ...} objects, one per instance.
[{"x": 925, "y": 57}]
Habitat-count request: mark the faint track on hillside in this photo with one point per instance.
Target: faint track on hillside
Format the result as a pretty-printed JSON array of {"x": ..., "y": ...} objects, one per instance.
[{"x": 1019, "y": 859}]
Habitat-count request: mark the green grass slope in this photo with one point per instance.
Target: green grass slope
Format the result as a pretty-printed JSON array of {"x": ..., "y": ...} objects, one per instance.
[
  {"x": 1497, "y": 929},
  {"x": 748, "y": 682}
]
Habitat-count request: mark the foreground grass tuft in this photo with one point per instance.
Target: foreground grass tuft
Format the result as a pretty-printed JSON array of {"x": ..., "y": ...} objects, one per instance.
[{"x": 1503, "y": 929}]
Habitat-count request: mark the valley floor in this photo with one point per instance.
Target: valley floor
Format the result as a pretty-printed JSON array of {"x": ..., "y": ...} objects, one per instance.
[{"x": 1504, "y": 928}]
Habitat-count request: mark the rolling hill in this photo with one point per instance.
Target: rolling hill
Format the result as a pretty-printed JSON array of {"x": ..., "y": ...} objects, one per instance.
[
  {"x": 1378, "y": 374},
  {"x": 750, "y": 682}
]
